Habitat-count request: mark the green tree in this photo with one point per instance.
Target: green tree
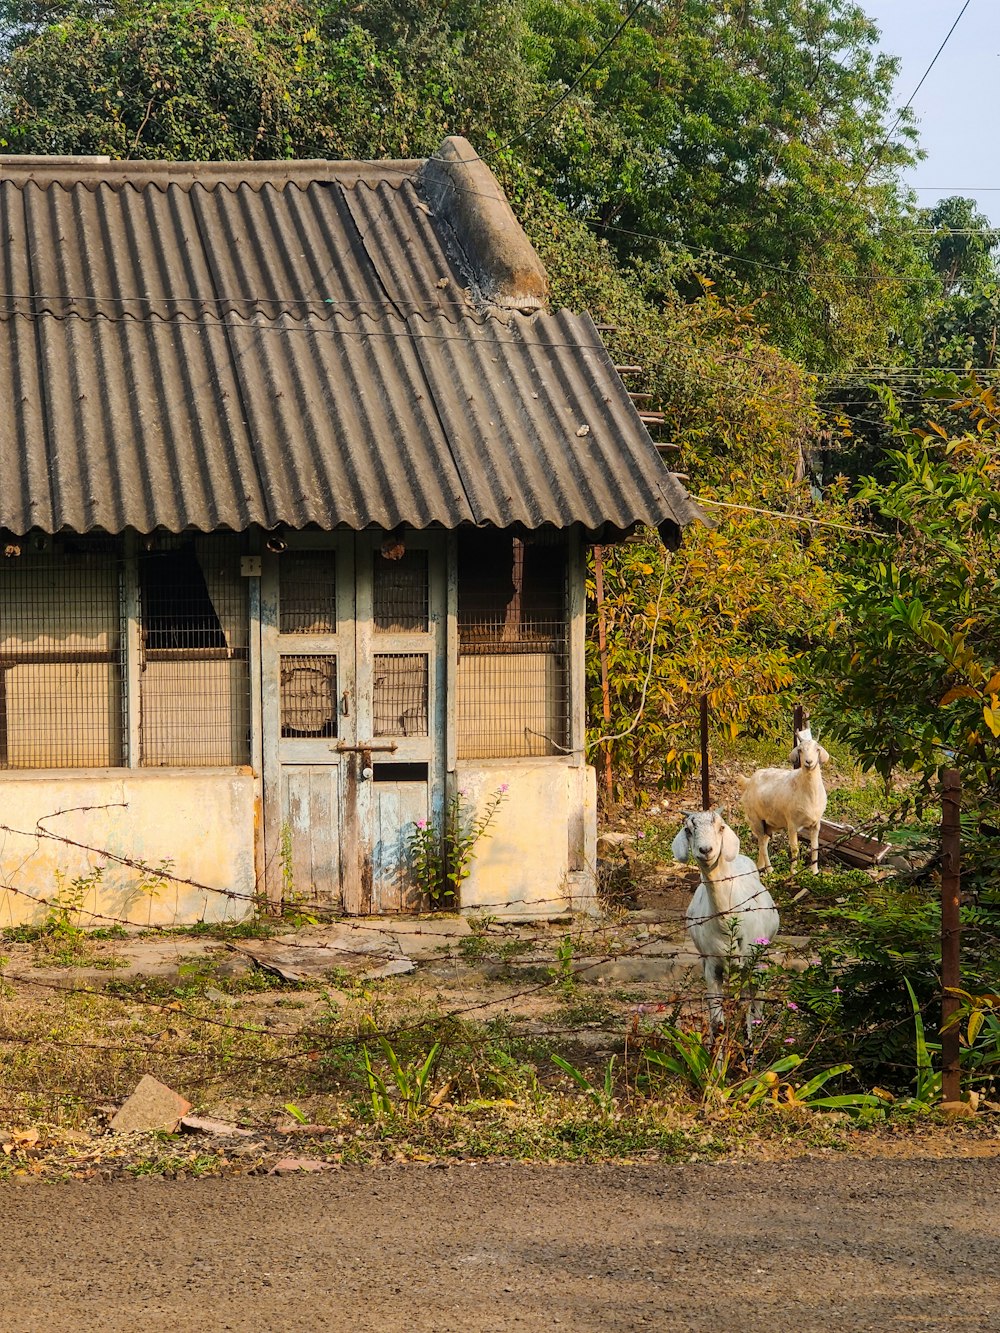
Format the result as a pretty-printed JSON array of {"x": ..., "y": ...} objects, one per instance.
[
  {"x": 913, "y": 672},
  {"x": 751, "y": 133}
]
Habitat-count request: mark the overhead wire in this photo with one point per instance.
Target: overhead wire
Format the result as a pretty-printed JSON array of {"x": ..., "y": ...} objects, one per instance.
[{"x": 558, "y": 101}]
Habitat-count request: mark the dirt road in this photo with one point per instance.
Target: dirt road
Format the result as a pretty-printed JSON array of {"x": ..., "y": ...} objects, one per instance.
[{"x": 829, "y": 1244}]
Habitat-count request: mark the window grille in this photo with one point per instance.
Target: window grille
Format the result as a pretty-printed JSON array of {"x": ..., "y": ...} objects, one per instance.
[
  {"x": 65, "y": 654},
  {"x": 400, "y": 593},
  {"x": 399, "y": 695},
  {"x": 194, "y": 684},
  {"x": 307, "y": 592},
  {"x": 308, "y": 695},
  {"x": 513, "y": 678},
  {"x": 61, "y": 665}
]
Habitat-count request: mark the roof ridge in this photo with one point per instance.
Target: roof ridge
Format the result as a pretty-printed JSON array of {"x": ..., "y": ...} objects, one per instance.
[{"x": 156, "y": 173}]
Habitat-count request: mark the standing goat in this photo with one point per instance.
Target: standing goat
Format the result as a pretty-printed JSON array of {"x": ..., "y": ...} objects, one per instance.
[
  {"x": 731, "y": 910},
  {"x": 776, "y": 798}
]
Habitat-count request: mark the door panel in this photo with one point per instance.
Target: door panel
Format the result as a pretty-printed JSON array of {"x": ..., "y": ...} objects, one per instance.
[
  {"x": 311, "y": 846},
  {"x": 398, "y": 805},
  {"x": 353, "y": 711}
]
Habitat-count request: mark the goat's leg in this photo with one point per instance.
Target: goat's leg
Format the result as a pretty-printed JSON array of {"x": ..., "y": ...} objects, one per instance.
[
  {"x": 714, "y": 970},
  {"x": 763, "y": 859},
  {"x": 793, "y": 845},
  {"x": 813, "y": 832}
]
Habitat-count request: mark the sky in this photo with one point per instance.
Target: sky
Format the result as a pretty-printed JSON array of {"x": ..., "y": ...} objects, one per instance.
[{"x": 956, "y": 107}]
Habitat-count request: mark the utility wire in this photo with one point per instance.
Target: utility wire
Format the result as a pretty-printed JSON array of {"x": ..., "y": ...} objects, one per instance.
[
  {"x": 558, "y": 101},
  {"x": 902, "y": 111}
]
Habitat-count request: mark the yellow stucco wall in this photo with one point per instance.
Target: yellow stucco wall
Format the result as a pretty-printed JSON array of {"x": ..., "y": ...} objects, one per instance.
[
  {"x": 200, "y": 821},
  {"x": 540, "y": 855}
]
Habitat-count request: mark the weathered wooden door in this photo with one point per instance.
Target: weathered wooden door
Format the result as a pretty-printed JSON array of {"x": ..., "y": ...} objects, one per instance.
[{"x": 353, "y": 707}]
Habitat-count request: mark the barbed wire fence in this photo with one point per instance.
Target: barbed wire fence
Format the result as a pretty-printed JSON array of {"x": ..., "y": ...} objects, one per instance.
[{"x": 594, "y": 945}]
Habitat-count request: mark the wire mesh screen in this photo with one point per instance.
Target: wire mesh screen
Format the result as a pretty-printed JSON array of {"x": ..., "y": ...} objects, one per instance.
[
  {"x": 400, "y": 594},
  {"x": 61, "y": 666},
  {"x": 307, "y": 593},
  {"x": 195, "y": 683},
  {"x": 308, "y": 695},
  {"x": 399, "y": 694},
  {"x": 513, "y": 678}
]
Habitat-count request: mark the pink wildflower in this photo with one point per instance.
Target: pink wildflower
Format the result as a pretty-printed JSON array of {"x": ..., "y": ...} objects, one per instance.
[
  {"x": 421, "y": 823},
  {"x": 789, "y": 1041},
  {"x": 763, "y": 941},
  {"x": 837, "y": 990},
  {"x": 792, "y": 1004}
]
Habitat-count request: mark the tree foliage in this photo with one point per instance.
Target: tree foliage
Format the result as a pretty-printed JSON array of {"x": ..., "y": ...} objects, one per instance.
[{"x": 914, "y": 669}]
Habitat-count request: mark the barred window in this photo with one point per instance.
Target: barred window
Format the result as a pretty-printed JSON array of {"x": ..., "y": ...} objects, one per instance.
[
  {"x": 194, "y": 685},
  {"x": 61, "y": 666},
  {"x": 65, "y": 652},
  {"x": 513, "y": 680}
]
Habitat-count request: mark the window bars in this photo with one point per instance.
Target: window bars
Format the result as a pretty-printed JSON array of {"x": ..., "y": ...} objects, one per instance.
[
  {"x": 513, "y": 678},
  {"x": 194, "y": 681},
  {"x": 61, "y": 662},
  {"x": 98, "y": 650}
]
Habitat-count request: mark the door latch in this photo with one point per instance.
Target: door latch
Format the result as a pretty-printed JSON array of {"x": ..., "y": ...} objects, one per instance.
[{"x": 366, "y": 749}]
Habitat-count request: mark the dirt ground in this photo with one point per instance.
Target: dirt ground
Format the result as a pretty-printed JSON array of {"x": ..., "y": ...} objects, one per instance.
[{"x": 820, "y": 1243}]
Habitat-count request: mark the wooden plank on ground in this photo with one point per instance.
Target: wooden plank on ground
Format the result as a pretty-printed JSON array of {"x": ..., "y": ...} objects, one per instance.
[{"x": 853, "y": 848}]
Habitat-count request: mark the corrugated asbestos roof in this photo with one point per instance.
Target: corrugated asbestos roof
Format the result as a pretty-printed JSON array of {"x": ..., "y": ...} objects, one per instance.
[{"x": 220, "y": 345}]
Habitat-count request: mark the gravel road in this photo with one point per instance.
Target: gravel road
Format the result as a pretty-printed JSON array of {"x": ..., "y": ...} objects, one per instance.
[{"x": 816, "y": 1243}]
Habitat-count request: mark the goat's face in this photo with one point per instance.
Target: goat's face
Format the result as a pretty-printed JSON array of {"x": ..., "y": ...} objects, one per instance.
[
  {"x": 705, "y": 837},
  {"x": 809, "y": 753}
]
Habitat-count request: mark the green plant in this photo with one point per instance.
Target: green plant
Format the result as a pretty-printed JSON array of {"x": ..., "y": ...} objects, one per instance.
[
  {"x": 411, "y": 1080},
  {"x": 709, "y": 1074},
  {"x": 603, "y": 1097},
  {"x": 440, "y": 860},
  {"x": 562, "y": 972},
  {"x": 61, "y": 930},
  {"x": 877, "y": 941},
  {"x": 928, "y": 1084},
  {"x": 285, "y": 860}
]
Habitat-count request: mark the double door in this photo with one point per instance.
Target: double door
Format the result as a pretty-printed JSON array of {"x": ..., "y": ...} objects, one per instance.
[{"x": 352, "y": 673}]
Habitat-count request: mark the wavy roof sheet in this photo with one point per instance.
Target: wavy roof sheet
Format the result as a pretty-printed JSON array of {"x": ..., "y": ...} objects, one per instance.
[{"x": 218, "y": 345}]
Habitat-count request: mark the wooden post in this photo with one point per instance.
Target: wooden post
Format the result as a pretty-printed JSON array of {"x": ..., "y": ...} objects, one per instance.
[
  {"x": 951, "y": 888},
  {"x": 706, "y": 801},
  {"x": 602, "y": 649},
  {"x": 800, "y": 720}
]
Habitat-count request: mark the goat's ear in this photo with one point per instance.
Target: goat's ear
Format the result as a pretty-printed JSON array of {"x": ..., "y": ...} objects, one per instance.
[
  {"x": 793, "y": 758},
  {"x": 719, "y": 811},
  {"x": 824, "y": 757},
  {"x": 730, "y": 844},
  {"x": 680, "y": 846}
]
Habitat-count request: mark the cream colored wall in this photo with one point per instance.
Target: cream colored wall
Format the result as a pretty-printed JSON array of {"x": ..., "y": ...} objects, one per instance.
[
  {"x": 202, "y": 820},
  {"x": 540, "y": 854}
]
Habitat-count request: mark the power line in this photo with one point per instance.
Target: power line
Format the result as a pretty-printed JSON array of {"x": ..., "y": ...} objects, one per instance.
[
  {"x": 903, "y": 109},
  {"x": 629, "y": 16}
]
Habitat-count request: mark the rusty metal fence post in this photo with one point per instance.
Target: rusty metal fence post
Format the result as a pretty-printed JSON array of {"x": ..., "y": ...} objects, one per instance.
[{"x": 951, "y": 889}]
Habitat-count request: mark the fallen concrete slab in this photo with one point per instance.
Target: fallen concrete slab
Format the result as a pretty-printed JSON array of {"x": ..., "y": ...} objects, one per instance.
[{"x": 151, "y": 1106}]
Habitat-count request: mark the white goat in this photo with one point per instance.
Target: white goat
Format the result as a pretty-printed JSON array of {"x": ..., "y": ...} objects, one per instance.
[
  {"x": 794, "y": 800},
  {"x": 731, "y": 910}
]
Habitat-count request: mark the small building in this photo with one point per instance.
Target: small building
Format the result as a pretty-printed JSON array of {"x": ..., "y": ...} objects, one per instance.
[{"x": 298, "y": 476}]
